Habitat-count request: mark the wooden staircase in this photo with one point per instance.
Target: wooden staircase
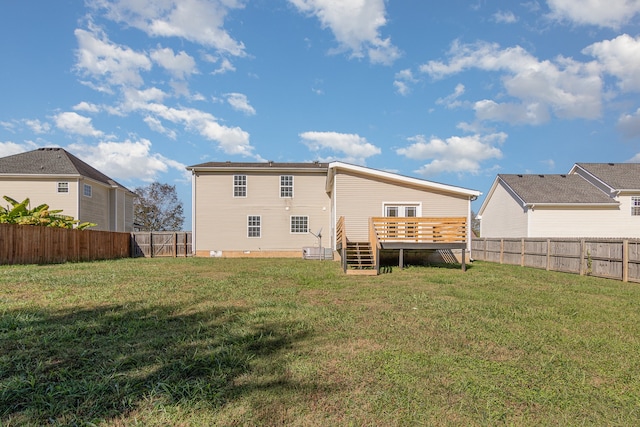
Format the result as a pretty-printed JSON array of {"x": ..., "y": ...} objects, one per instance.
[{"x": 360, "y": 259}]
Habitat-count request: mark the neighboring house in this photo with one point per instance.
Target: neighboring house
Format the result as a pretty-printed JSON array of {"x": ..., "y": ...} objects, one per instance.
[
  {"x": 277, "y": 209},
  {"x": 61, "y": 180},
  {"x": 592, "y": 200}
]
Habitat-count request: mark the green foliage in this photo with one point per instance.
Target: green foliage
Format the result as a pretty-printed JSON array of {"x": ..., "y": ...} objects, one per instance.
[
  {"x": 158, "y": 208},
  {"x": 20, "y": 213}
]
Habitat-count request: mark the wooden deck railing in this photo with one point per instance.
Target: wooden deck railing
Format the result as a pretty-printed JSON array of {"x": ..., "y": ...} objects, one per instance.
[
  {"x": 420, "y": 229},
  {"x": 375, "y": 244}
]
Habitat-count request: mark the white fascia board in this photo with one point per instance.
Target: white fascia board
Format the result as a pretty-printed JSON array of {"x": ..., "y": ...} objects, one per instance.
[
  {"x": 586, "y": 172},
  {"x": 39, "y": 176},
  {"x": 195, "y": 170},
  {"x": 574, "y": 205},
  {"x": 400, "y": 178}
]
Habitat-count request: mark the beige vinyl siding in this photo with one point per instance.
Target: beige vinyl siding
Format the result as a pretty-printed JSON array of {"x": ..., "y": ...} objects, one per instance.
[
  {"x": 221, "y": 219},
  {"x": 503, "y": 216},
  {"x": 358, "y": 198},
  {"x": 41, "y": 191},
  {"x": 96, "y": 208}
]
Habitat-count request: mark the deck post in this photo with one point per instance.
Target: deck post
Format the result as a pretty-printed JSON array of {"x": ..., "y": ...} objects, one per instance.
[
  {"x": 464, "y": 266},
  {"x": 401, "y": 259}
]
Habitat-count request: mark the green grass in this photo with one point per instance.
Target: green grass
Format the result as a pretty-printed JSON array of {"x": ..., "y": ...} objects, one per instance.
[{"x": 292, "y": 342}]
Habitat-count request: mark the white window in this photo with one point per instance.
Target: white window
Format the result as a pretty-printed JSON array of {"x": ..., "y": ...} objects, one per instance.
[
  {"x": 86, "y": 190},
  {"x": 286, "y": 185},
  {"x": 635, "y": 205},
  {"x": 299, "y": 224},
  {"x": 63, "y": 187},
  {"x": 253, "y": 226},
  {"x": 239, "y": 186}
]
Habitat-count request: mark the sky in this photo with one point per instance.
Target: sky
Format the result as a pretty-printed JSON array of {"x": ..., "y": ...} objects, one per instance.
[{"x": 454, "y": 92}]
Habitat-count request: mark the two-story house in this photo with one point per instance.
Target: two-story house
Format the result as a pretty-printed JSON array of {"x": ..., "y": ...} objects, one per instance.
[
  {"x": 592, "y": 200},
  {"x": 63, "y": 181},
  {"x": 277, "y": 209}
]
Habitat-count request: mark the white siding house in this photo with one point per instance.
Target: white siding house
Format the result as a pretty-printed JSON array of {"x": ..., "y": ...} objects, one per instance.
[{"x": 592, "y": 200}]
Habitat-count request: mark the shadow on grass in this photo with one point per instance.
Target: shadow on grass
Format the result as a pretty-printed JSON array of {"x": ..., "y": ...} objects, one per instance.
[{"x": 79, "y": 367}]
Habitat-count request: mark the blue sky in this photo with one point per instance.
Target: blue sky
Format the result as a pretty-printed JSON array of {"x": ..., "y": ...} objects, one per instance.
[{"x": 454, "y": 92}]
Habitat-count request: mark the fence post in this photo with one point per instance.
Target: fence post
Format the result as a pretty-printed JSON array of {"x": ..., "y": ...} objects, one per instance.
[
  {"x": 548, "y": 254},
  {"x": 625, "y": 260},
  {"x": 582, "y": 253}
]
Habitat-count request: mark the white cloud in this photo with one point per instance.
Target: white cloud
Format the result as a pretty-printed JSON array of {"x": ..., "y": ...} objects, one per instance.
[
  {"x": 353, "y": 147},
  {"x": 76, "y": 124},
  {"x": 157, "y": 126},
  {"x": 199, "y": 21},
  {"x": 455, "y": 154},
  {"x": 239, "y": 102},
  {"x": 10, "y": 148},
  {"x": 451, "y": 101},
  {"x": 126, "y": 160},
  {"x": 568, "y": 88},
  {"x": 403, "y": 81},
  {"x": 629, "y": 124},
  {"x": 356, "y": 26},
  {"x": 37, "y": 126},
  {"x": 619, "y": 57},
  {"x": 505, "y": 17},
  {"x": 108, "y": 63},
  {"x": 87, "y": 107},
  {"x": 180, "y": 65},
  {"x": 603, "y": 13}
]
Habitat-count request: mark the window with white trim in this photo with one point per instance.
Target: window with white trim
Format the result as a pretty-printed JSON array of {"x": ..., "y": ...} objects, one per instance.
[
  {"x": 87, "y": 190},
  {"x": 63, "y": 187},
  {"x": 254, "y": 226},
  {"x": 286, "y": 185},
  {"x": 299, "y": 224},
  {"x": 635, "y": 205},
  {"x": 240, "y": 186}
]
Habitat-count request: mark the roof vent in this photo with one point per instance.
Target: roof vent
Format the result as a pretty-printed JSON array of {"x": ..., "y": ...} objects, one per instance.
[
  {"x": 562, "y": 175},
  {"x": 541, "y": 176},
  {"x": 270, "y": 162},
  {"x": 611, "y": 164},
  {"x": 519, "y": 176}
]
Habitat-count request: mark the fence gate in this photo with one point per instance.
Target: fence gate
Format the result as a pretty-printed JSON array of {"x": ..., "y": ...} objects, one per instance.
[{"x": 161, "y": 244}]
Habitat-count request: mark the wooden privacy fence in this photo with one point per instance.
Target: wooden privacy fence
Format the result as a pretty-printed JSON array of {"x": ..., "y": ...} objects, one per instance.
[
  {"x": 610, "y": 258},
  {"x": 161, "y": 244},
  {"x": 30, "y": 244}
]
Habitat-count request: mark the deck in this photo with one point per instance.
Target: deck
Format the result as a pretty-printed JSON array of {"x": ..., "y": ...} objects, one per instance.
[{"x": 406, "y": 233}]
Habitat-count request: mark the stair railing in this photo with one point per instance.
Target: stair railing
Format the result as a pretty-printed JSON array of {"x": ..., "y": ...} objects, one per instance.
[
  {"x": 375, "y": 245},
  {"x": 341, "y": 237}
]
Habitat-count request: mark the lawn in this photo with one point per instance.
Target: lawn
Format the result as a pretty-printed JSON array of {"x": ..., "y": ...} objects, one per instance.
[{"x": 291, "y": 342}]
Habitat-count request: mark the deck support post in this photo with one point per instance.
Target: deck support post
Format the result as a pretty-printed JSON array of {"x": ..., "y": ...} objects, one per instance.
[
  {"x": 464, "y": 266},
  {"x": 401, "y": 259}
]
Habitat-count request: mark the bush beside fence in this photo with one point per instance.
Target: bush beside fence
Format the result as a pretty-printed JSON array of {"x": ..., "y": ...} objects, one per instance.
[
  {"x": 28, "y": 244},
  {"x": 609, "y": 258}
]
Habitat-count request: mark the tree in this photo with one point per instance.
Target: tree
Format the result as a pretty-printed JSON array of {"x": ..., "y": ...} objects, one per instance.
[
  {"x": 157, "y": 208},
  {"x": 21, "y": 213},
  {"x": 475, "y": 223}
]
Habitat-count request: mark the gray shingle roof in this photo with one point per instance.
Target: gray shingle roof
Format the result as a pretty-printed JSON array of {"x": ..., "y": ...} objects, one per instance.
[
  {"x": 52, "y": 161},
  {"x": 555, "y": 189},
  {"x": 266, "y": 165},
  {"x": 618, "y": 176}
]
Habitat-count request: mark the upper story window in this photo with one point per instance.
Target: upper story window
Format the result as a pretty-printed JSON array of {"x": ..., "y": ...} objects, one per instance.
[
  {"x": 299, "y": 224},
  {"x": 239, "y": 186},
  {"x": 63, "y": 187},
  {"x": 87, "y": 190},
  {"x": 635, "y": 205},
  {"x": 286, "y": 185}
]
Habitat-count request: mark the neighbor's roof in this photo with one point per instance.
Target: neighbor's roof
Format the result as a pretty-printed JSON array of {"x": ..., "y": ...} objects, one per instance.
[
  {"x": 555, "y": 189},
  {"x": 257, "y": 166},
  {"x": 52, "y": 161},
  {"x": 617, "y": 176}
]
